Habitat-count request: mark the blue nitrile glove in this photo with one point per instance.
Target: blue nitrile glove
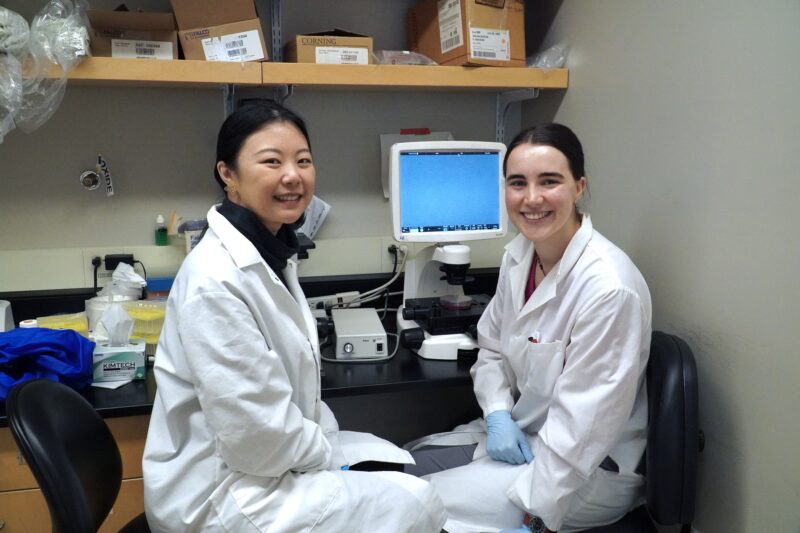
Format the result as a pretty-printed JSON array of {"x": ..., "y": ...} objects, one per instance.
[
  {"x": 344, "y": 467},
  {"x": 505, "y": 441},
  {"x": 522, "y": 529}
]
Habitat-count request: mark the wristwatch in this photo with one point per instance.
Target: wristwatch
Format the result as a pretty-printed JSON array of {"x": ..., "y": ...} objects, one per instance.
[{"x": 534, "y": 523}]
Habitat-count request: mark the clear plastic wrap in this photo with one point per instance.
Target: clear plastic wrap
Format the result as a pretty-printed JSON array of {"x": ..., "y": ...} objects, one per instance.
[
  {"x": 401, "y": 57},
  {"x": 14, "y": 33},
  {"x": 10, "y": 92},
  {"x": 59, "y": 39},
  {"x": 553, "y": 57}
]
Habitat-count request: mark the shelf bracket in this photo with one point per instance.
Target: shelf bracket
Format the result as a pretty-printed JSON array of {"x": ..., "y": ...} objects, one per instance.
[
  {"x": 275, "y": 30},
  {"x": 229, "y": 99},
  {"x": 504, "y": 101},
  {"x": 281, "y": 92}
]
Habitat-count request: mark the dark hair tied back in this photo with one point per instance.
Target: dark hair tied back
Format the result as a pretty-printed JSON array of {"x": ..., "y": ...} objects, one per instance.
[
  {"x": 251, "y": 116},
  {"x": 559, "y": 137}
]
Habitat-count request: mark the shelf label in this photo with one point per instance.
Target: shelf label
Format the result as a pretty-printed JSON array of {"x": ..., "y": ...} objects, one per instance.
[
  {"x": 489, "y": 44},
  {"x": 337, "y": 55},
  {"x": 244, "y": 46},
  {"x": 128, "y": 48},
  {"x": 450, "y": 25}
]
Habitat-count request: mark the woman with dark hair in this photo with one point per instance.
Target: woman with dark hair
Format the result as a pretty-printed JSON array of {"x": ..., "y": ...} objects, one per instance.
[
  {"x": 239, "y": 437},
  {"x": 560, "y": 375}
]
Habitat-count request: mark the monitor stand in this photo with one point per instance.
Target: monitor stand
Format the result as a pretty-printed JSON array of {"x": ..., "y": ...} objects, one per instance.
[{"x": 434, "y": 316}]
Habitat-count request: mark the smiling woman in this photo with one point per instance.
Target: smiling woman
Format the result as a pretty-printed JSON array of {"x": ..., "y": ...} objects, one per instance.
[
  {"x": 239, "y": 437},
  {"x": 272, "y": 173},
  {"x": 560, "y": 373}
]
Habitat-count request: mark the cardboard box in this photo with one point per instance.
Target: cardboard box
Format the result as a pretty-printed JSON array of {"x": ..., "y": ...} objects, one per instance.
[
  {"x": 117, "y": 363},
  {"x": 333, "y": 47},
  {"x": 469, "y": 32},
  {"x": 237, "y": 41},
  {"x": 133, "y": 35},
  {"x": 220, "y": 30},
  {"x": 193, "y": 14}
]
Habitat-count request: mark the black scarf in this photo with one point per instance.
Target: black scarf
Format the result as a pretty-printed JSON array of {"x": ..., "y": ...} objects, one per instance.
[{"x": 274, "y": 249}]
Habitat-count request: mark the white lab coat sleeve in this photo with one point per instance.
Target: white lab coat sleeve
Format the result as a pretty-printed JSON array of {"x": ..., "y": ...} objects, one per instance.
[
  {"x": 490, "y": 379},
  {"x": 245, "y": 392},
  {"x": 592, "y": 401}
]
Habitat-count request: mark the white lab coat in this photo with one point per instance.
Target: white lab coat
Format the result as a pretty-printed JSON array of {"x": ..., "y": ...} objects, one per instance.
[
  {"x": 579, "y": 391},
  {"x": 239, "y": 437}
]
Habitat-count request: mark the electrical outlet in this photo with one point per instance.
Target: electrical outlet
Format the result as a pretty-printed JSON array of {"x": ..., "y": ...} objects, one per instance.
[{"x": 388, "y": 257}]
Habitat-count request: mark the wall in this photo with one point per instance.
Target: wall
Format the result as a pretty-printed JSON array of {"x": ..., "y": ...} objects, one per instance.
[
  {"x": 160, "y": 144},
  {"x": 688, "y": 113}
]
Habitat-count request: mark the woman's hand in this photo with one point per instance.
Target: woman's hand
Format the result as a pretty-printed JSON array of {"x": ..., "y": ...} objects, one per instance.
[{"x": 505, "y": 441}]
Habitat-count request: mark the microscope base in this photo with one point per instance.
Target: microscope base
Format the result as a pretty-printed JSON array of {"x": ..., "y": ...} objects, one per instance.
[
  {"x": 442, "y": 347},
  {"x": 446, "y": 347}
]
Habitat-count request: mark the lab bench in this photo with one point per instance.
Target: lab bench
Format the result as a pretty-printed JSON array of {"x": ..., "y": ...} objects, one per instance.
[{"x": 400, "y": 399}]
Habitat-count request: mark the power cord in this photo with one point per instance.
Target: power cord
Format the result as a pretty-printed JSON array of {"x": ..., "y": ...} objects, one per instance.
[{"x": 96, "y": 262}]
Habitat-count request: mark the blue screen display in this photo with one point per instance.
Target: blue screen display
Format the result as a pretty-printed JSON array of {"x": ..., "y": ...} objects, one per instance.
[{"x": 449, "y": 191}]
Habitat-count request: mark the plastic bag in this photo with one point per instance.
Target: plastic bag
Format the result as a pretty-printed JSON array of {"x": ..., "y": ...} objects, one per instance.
[
  {"x": 59, "y": 39},
  {"x": 55, "y": 354},
  {"x": 10, "y": 92},
  {"x": 401, "y": 57},
  {"x": 124, "y": 282},
  {"x": 14, "y": 34},
  {"x": 553, "y": 57}
]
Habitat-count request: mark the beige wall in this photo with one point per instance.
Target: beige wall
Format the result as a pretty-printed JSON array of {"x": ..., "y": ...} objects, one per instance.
[
  {"x": 160, "y": 146},
  {"x": 689, "y": 116}
]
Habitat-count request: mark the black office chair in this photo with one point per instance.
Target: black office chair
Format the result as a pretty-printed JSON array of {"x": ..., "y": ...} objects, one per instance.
[
  {"x": 71, "y": 452},
  {"x": 673, "y": 440}
]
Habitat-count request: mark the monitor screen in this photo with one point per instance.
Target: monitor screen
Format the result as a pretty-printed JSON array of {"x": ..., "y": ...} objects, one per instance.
[{"x": 447, "y": 191}]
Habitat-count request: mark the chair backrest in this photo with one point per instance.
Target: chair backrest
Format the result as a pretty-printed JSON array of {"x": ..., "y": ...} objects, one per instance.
[
  {"x": 673, "y": 436},
  {"x": 70, "y": 451}
]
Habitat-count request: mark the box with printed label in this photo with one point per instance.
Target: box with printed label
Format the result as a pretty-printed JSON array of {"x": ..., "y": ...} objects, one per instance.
[
  {"x": 469, "y": 32},
  {"x": 117, "y": 363},
  {"x": 220, "y": 30},
  {"x": 133, "y": 35},
  {"x": 333, "y": 47},
  {"x": 237, "y": 41}
]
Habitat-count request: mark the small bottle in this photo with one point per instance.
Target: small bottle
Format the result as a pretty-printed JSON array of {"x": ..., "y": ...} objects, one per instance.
[{"x": 161, "y": 231}]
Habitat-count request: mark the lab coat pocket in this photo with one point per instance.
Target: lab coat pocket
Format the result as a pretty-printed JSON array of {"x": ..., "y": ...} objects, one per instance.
[{"x": 543, "y": 364}]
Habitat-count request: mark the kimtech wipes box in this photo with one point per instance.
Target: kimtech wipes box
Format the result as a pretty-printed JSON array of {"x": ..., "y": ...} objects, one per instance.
[
  {"x": 133, "y": 35},
  {"x": 469, "y": 32},
  {"x": 332, "y": 47},
  {"x": 117, "y": 363},
  {"x": 220, "y": 30}
]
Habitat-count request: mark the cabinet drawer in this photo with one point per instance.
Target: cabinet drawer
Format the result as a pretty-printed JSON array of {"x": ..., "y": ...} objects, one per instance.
[
  {"x": 25, "y": 511},
  {"x": 130, "y": 503},
  {"x": 130, "y": 433}
]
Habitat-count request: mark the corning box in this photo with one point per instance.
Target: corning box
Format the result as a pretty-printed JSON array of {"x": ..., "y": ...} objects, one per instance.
[
  {"x": 469, "y": 32},
  {"x": 117, "y": 363},
  {"x": 220, "y": 30},
  {"x": 133, "y": 35},
  {"x": 334, "y": 47}
]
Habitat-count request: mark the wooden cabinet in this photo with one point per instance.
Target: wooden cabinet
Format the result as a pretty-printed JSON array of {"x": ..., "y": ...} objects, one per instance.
[{"x": 22, "y": 506}]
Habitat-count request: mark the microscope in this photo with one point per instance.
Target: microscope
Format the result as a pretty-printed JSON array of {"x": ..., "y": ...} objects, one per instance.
[
  {"x": 437, "y": 319},
  {"x": 443, "y": 193}
]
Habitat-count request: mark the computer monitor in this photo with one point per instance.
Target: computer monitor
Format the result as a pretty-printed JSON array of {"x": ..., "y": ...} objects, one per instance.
[{"x": 447, "y": 191}]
